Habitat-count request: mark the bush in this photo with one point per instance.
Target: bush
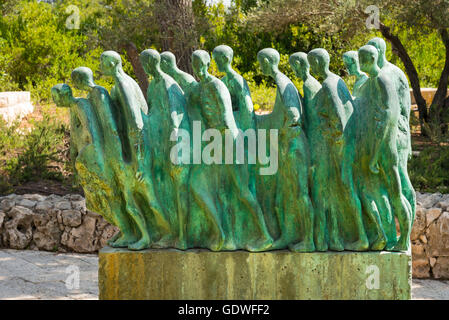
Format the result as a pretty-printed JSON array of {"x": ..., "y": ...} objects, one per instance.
[
  {"x": 33, "y": 152},
  {"x": 429, "y": 171}
]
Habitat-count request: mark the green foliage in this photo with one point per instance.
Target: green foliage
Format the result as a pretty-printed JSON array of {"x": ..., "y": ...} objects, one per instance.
[
  {"x": 32, "y": 153},
  {"x": 429, "y": 171}
]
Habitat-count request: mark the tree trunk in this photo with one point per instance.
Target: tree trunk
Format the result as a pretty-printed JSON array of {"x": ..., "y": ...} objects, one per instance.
[
  {"x": 410, "y": 69},
  {"x": 438, "y": 103},
  {"x": 133, "y": 57},
  {"x": 177, "y": 32}
]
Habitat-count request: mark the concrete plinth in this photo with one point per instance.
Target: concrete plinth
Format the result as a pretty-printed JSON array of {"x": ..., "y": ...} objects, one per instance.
[{"x": 202, "y": 274}]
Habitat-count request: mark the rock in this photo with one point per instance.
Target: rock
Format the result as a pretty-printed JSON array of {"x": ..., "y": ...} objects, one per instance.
[
  {"x": 43, "y": 207},
  {"x": 18, "y": 230},
  {"x": 82, "y": 238},
  {"x": 54, "y": 198},
  {"x": 431, "y": 200},
  {"x": 6, "y": 204},
  {"x": 63, "y": 205},
  {"x": 443, "y": 205},
  {"x": 76, "y": 197},
  {"x": 419, "y": 225},
  {"x": 2, "y": 218},
  {"x": 34, "y": 197},
  {"x": 432, "y": 215},
  {"x": 71, "y": 218},
  {"x": 432, "y": 261},
  {"x": 27, "y": 203},
  {"x": 438, "y": 236},
  {"x": 441, "y": 268},
  {"x": 79, "y": 205},
  {"x": 420, "y": 268},
  {"x": 47, "y": 235},
  {"x": 423, "y": 238}
]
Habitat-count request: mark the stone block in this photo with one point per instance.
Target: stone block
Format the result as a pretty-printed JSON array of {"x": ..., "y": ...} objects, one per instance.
[{"x": 202, "y": 274}]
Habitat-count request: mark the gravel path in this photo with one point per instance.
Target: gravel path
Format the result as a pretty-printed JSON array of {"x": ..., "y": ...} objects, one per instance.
[{"x": 44, "y": 275}]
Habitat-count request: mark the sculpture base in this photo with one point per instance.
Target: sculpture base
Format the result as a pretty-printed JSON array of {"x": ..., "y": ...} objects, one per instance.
[{"x": 202, "y": 274}]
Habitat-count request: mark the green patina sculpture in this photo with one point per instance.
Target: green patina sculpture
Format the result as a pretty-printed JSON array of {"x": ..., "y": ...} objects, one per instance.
[
  {"x": 194, "y": 167},
  {"x": 292, "y": 205},
  {"x": 314, "y": 128},
  {"x": 351, "y": 61},
  {"x": 404, "y": 141}
]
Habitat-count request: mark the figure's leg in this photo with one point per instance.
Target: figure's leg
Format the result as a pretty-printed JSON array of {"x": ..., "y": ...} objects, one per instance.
[
  {"x": 240, "y": 185},
  {"x": 401, "y": 207},
  {"x": 407, "y": 189},
  {"x": 204, "y": 198},
  {"x": 354, "y": 207},
  {"x": 373, "y": 213},
  {"x": 319, "y": 199},
  {"x": 133, "y": 210},
  {"x": 306, "y": 211}
]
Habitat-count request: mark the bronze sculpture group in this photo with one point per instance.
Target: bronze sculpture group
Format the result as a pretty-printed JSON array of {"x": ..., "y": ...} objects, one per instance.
[{"x": 340, "y": 180}]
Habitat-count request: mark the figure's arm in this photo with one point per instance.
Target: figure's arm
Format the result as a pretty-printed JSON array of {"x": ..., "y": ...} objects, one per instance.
[
  {"x": 292, "y": 102},
  {"x": 334, "y": 107},
  {"x": 102, "y": 98},
  {"x": 383, "y": 118},
  {"x": 177, "y": 105},
  {"x": 224, "y": 103}
]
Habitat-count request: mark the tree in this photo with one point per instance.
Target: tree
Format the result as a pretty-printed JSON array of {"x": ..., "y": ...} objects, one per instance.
[{"x": 348, "y": 18}]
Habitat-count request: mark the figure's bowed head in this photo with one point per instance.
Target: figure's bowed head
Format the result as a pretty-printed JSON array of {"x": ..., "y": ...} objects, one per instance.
[
  {"x": 350, "y": 60},
  {"x": 62, "y": 95},
  {"x": 200, "y": 64},
  {"x": 268, "y": 60},
  {"x": 368, "y": 56},
  {"x": 83, "y": 78},
  {"x": 319, "y": 60},
  {"x": 168, "y": 61},
  {"x": 110, "y": 63},
  {"x": 223, "y": 55},
  {"x": 300, "y": 65},
  {"x": 151, "y": 62}
]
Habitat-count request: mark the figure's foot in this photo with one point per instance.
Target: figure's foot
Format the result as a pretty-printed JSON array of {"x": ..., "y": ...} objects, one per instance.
[
  {"x": 114, "y": 237},
  {"x": 263, "y": 245},
  {"x": 122, "y": 241},
  {"x": 143, "y": 243},
  {"x": 336, "y": 245},
  {"x": 359, "y": 245},
  {"x": 279, "y": 244},
  {"x": 229, "y": 246},
  {"x": 380, "y": 243},
  {"x": 303, "y": 246},
  {"x": 402, "y": 245},
  {"x": 321, "y": 245}
]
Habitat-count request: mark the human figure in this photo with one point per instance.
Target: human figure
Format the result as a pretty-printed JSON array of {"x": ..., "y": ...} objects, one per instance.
[
  {"x": 294, "y": 210},
  {"x": 351, "y": 61},
  {"x": 136, "y": 183},
  {"x": 168, "y": 65},
  {"x": 217, "y": 188},
  {"x": 106, "y": 113},
  {"x": 167, "y": 113},
  {"x": 385, "y": 111},
  {"x": 344, "y": 204},
  {"x": 90, "y": 157},
  {"x": 242, "y": 105},
  {"x": 404, "y": 137},
  {"x": 317, "y": 148}
]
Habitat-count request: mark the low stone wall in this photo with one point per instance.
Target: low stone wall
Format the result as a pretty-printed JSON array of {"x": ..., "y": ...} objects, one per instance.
[
  {"x": 51, "y": 223},
  {"x": 430, "y": 236},
  {"x": 63, "y": 224},
  {"x": 15, "y": 104}
]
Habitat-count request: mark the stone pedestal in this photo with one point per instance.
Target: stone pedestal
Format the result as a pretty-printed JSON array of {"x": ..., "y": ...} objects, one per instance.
[{"x": 202, "y": 274}]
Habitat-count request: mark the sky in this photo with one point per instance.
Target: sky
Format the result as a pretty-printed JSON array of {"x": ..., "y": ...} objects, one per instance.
[{"x": 226, "y": 2}]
